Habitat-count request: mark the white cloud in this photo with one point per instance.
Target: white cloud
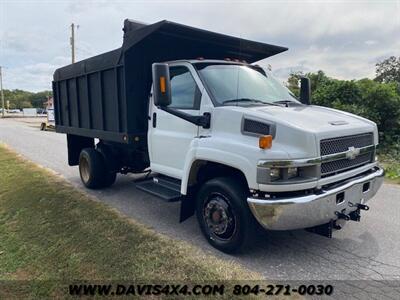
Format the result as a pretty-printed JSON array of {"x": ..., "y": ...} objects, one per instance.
[{"x": 343, "y": 38}]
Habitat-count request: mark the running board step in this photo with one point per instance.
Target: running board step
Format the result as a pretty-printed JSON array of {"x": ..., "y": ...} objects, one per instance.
[{"x": 166, "y": 188}]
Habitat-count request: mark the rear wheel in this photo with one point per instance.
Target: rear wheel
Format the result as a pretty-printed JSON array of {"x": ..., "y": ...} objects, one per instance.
[
  {"x": 223, "y": 214},
  {"x": 93, "y": 170}
]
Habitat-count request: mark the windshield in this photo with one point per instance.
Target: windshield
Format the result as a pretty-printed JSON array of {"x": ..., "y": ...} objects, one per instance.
[{"x": 231, "y": 84}]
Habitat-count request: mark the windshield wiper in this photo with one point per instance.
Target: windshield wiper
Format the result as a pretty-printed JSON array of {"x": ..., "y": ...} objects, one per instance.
[
  {"x": 286, "y": 102},
  {"x": 247, "y": 100}
]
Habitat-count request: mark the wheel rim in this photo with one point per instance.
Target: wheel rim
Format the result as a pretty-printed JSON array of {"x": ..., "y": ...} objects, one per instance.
[
  {"x": 84, "y": 169},
  {"x": 219, "y": 217}
]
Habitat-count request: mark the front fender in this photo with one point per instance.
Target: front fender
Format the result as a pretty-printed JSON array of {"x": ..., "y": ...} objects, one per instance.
[{"x": 212, "y": 154}]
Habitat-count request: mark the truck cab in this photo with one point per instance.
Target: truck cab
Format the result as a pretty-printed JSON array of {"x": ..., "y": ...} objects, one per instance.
[
  {"x": 300, "y": 166},
  {"x": 220, "y": 135}
]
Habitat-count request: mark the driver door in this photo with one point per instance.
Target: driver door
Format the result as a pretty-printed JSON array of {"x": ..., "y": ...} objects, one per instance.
[{"x": 169, "y": 136}]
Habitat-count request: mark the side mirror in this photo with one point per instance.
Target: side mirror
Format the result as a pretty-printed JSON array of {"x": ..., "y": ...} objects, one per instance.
[
  {"x": 161, "y": 85},
  {"x": 305, "y": 91}
]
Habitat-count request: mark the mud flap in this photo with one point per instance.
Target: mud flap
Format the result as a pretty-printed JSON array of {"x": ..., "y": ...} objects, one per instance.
[
  {"x": 75, "y": 145},
  {"x": 324, "y": 229},
  {"x": 187, "y": 208}
]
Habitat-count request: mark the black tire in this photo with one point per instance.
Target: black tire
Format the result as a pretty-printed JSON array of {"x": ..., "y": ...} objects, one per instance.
[
  {"x": 92, "y": 169},
  {"x": 223, "y": 214}
]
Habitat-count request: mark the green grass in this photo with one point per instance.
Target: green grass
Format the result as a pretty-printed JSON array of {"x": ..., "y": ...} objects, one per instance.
[{"x": 51, "y": 232}]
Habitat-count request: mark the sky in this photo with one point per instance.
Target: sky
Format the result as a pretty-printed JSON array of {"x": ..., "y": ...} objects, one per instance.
[{"x": 345, "y": 39}]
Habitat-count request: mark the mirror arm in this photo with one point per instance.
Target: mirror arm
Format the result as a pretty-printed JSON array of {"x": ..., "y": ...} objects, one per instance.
[{"x": 203, "y": 121}]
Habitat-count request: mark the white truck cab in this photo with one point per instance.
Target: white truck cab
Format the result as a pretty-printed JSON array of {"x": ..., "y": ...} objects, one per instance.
[{"x": 318, "y": 166}]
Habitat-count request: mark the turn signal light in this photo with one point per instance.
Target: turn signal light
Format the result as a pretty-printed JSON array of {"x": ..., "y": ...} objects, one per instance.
[
  {"x": 265, "y": 142},
  {"x": 162, "y": 85}
]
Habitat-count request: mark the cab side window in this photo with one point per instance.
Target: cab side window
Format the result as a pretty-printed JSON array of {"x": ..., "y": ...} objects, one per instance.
[{"x": 184, "y": 91}]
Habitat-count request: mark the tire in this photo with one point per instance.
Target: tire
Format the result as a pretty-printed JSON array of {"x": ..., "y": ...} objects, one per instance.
[
  {"x": 92, "y": 169},
  {"x": 223, "y": 214}
]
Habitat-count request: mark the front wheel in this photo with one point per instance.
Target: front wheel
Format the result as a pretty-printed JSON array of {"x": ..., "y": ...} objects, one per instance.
[{"x": 223, "y": 214}]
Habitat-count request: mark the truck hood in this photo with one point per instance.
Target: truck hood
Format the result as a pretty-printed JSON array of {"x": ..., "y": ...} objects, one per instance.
[
  {"x": 299, "y": 129},
  {"x": 323, "y": 122}
]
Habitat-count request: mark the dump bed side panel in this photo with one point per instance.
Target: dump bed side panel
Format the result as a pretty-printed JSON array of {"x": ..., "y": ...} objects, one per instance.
[
  {"x": 92, "y": 105},
  {"x": 91, "y": 100}
]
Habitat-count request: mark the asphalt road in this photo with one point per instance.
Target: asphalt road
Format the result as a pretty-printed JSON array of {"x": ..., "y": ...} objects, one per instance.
[{"x": 369, "y": 250}]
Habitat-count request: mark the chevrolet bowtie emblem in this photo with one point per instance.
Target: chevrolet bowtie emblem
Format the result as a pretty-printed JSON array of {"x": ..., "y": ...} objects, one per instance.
[{"x": 352, "y": 152}]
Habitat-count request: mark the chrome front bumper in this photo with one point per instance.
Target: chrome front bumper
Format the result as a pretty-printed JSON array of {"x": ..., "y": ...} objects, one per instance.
[{"x": 315, "y": 209}]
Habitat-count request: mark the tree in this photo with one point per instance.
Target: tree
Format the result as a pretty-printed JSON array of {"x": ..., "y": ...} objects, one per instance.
[
  {"x": 23, "y": 99},
  {"x": 335, "y": 92},
  {"x": 38, "y": 99},
  {"x": 388, "y": 70},
  {"x": 316, "y": 79},
  {"x": 293, "y": 83},
  {"x": 379, "y": 102}
]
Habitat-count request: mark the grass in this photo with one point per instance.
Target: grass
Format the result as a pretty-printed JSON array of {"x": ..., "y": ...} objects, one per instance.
[
  {"x": 51, "y": 232},
  {"x": 389, "y": 158},
  {"x": 392, "y": 169}
]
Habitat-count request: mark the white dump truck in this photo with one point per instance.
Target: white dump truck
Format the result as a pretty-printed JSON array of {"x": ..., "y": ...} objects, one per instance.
[{"x": 218, "y": 132}]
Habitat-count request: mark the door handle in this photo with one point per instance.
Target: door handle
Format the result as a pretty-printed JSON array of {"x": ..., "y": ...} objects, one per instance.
[{"x": 154, "y": 120}]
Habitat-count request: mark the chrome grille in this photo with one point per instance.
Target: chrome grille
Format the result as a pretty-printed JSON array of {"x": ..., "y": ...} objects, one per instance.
[
  {"x": 342, "y": 144},
  {"x": 342, "y": 165}
]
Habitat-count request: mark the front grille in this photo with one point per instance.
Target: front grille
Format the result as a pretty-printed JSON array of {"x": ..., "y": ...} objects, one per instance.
[
  {"x": 341, "y": 165},
  {"x": 342, "y": 144}
]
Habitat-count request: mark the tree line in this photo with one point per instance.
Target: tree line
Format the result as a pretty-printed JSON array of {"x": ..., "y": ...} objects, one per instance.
[
  {"x": 19, "y": 99},
  {"x": 377, "y": 99}
]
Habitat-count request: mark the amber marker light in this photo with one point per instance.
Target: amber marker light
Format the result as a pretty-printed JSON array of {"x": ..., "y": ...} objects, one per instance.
[
  {"x": 265, "y": 142},
  {"x": 162, "y": 84}
]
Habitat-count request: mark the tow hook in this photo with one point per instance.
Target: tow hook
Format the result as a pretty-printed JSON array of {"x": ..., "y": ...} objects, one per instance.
[
  {"x": 362, "y": 206},
  {"x": 343, "y": 216},
  {"x": 355, "y": 215}
]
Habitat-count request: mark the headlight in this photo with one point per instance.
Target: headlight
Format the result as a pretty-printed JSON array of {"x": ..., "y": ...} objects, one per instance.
[
  {"x": 292, "y": 172},
  {"x": 283, "y": 175},
  {"x": 275, "y": 174}
]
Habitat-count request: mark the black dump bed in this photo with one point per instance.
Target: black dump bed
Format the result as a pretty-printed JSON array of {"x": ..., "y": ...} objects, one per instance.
[{"x": 106, "y": 96}]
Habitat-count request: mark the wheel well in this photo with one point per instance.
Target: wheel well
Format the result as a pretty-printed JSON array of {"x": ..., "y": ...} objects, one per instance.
[{"x": 202, "y": 171}]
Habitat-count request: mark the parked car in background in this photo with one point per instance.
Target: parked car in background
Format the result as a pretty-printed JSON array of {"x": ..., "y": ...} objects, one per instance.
[
  {"x": 41, "y": 111},
  {"x": 14, "y": 111}
]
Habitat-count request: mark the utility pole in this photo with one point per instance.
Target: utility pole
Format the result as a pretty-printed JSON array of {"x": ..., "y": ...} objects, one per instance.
[
  {"x": 72, "y": 40},
  {"x": 2, "y": 94}
]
